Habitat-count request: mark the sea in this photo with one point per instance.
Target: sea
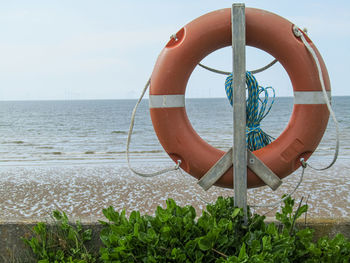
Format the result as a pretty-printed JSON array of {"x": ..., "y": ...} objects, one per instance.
[
  {"x": 95, "y": 131},
  {"x": 71, "y": 156}
]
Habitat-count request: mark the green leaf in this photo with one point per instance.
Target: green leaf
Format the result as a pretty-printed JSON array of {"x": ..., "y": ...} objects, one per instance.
[
  {"x": 204, "y": 243},
  {"x": 242, "y": 253},
  {"x": 40, "y": 228},
  {"x": 57, "y": 215},
  {"x": 87, "y": 234},
  {"x": 162, "y": 214},
  {"x": 111, "y": 214},
  {"x": 266, "y": 243},
  {"x": 303, "y": 209},
  {"x": 136, "y": 229},
  {"x": 272, "y": 229},
  {"x": 236, "y": 212}
]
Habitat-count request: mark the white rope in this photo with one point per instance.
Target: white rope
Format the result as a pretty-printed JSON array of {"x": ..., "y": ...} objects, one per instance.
[
  {"x": 228, "y": 73},
  {"x": 298, "y": 33},
  {"x": 169, "y": 169},
  {"x": 303, "y": 165}
]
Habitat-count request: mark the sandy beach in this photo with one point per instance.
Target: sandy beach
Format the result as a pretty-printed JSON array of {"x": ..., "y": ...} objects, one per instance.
[{"x": 32, "y": 193}]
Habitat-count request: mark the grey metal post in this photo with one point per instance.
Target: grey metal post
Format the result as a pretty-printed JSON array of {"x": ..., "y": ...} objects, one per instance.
[{"x": 239, "y": 107}]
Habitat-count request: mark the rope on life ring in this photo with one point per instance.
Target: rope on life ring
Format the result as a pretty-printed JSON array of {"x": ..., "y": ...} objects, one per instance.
[{"x": 257, "y": 109}]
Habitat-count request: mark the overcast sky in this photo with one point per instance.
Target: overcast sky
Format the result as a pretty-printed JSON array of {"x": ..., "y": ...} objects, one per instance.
[{"x": 79, "y": 49}]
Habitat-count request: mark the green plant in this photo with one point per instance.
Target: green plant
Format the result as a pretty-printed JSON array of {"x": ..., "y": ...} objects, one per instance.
[
  {"x": 219, "y": 235},
  {"x": 60, "y": 241},
  {"x": 175, "y": 235}
]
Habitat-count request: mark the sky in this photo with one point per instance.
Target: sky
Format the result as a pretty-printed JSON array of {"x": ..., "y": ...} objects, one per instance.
[{"x": 82, "y": 49}]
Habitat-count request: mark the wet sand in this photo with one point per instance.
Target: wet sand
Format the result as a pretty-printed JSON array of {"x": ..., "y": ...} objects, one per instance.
[{"x": 32, "y": 193}]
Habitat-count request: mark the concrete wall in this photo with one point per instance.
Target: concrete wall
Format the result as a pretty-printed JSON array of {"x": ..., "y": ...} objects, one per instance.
[{"x": 12, "y": 248}]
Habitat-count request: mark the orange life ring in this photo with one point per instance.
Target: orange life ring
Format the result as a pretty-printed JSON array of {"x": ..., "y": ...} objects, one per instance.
[{"x": 193, "y": 42}]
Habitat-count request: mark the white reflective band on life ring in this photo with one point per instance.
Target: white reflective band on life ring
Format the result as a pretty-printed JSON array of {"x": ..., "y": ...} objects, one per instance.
[
  {"x": 178, "y": 101},
  {"x": 167, "y": 101},
  {"x": 310, "y": 97}
]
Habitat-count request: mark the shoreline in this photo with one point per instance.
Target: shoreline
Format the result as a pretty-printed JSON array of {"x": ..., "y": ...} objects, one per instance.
[{"x": 82, "y": 191}]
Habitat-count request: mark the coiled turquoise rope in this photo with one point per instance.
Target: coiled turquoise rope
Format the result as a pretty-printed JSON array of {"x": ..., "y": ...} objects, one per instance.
[{"x": 256, "y": 110}]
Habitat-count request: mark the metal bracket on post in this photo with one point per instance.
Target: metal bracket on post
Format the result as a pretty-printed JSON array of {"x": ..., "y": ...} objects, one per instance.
[
  {"x": 239, "y": 154},
  {"x": 254, "y": 164}
]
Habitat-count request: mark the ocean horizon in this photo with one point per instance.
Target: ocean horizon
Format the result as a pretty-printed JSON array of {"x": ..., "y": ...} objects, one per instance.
[{"x": 90, "y": 131}]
